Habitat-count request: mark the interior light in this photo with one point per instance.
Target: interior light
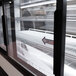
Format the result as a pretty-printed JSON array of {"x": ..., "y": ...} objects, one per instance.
[
  {"x": 10, "y": 2},
  {"x": 38, "y": 4}
]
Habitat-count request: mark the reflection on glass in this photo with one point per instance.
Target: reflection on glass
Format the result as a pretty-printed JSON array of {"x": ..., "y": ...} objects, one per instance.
[
  {"x": 70, "y": 51},
  {"x": 8, "y": 20},
  {"x": 9, "y": 27},
  {"x": 34, "y": 35},
  {"x": 31, "y": 1},
  {"x": 1, "y": 31}
]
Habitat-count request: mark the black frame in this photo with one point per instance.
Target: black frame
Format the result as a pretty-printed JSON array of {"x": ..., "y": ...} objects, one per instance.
[{"x": 59, "y": 35}]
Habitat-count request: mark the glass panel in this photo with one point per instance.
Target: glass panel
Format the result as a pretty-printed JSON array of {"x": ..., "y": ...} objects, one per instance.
[
  {"x": 2, "y": 45},
  {"x": 70, "y": 51},
  {"x": 34, "y": 25},
  {"x": 34, "y": 35}
]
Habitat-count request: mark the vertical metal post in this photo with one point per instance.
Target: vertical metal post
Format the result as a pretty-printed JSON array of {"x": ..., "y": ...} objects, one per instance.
[{"x": 59, "y": 37}]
